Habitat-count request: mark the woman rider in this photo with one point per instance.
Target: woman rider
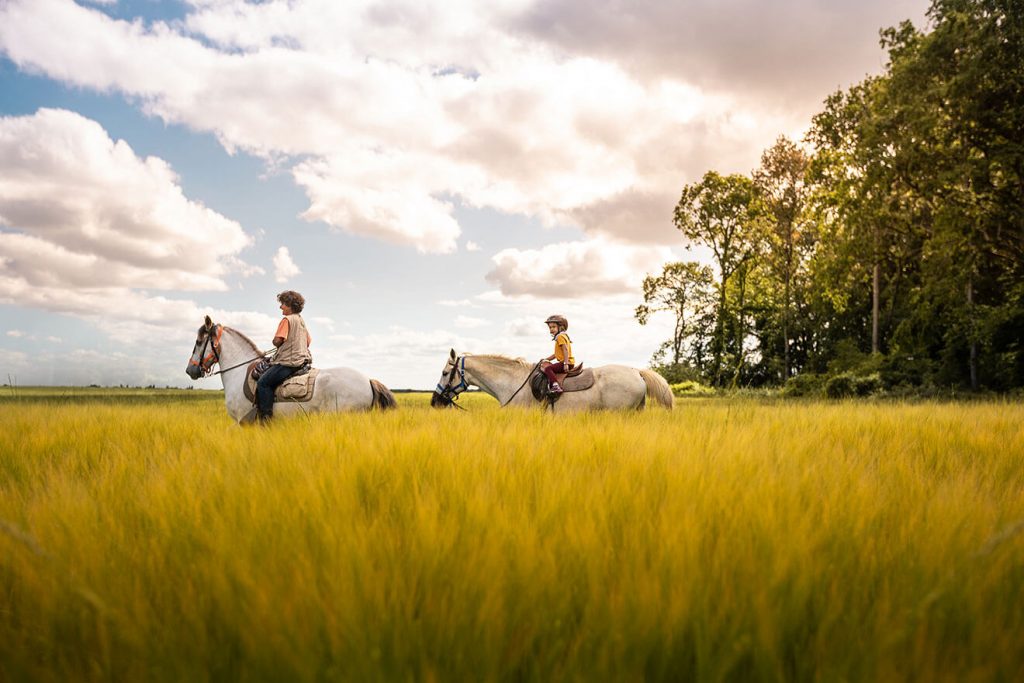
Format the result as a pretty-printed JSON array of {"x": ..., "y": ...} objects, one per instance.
[{"x": 292, "y": 341}]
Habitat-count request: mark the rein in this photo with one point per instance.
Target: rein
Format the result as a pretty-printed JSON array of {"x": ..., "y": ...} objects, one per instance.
[
  {"x": 521, "y": 385},
  {"x": 451, "y": 393},
  {"x": 215, "y": 354},
  {"x": 223, "y": 370}
]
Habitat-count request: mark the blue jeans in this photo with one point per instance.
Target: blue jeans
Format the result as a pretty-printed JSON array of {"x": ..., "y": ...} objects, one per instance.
[{"x": 268, "y": 382}]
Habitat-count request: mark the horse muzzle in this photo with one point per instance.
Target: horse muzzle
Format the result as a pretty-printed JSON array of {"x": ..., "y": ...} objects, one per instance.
[{"x": 439, "y": 401}]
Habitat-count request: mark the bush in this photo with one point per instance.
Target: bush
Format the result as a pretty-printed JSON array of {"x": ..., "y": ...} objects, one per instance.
[
  {"x": 804, "y": 384},
  {"x": 691, "y": 389},
  {"x": 675, "y": 373},
  {"x": 868, "y": 384},
  {"x": 901, "y": 370},
  {"x": 847, "y": 384},
  {"x": 840, "y": 386}
]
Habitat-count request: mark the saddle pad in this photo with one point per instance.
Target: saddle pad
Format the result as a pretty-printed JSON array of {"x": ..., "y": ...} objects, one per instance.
[
  {"x": 580, "y": 382},
  {"x": 297, "y": 388}
]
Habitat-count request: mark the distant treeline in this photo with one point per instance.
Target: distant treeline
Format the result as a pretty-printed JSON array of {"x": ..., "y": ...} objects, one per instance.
[{"x": 887, "y": 254}]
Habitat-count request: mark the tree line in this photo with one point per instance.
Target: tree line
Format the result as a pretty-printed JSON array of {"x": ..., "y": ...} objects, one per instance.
[{"x": 887, "y": 250}]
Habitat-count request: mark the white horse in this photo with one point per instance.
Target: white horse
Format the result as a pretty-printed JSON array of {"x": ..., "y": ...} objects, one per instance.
[
  {"x": 341, "y": 389},
  {"x": 507, "y": 380}
]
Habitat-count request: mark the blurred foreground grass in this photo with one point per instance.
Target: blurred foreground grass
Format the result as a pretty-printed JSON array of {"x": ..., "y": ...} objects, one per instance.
[{"x": 150, "y": 539}]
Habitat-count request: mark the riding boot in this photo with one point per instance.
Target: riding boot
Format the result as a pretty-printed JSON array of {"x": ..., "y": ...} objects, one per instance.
[{"x": 553, "y": 388}]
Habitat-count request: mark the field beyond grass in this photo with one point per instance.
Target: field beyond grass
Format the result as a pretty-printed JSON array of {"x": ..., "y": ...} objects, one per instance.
[{"x": 144, "y": 537}]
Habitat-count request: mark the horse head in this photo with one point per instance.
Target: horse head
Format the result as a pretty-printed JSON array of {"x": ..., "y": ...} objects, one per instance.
[
  {"x": 206, "y": 351},
  {"x": 452, "y": 382}
]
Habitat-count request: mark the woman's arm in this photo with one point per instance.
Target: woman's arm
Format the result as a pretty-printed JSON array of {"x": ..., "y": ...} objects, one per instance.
[{"x": 281, "y": 333}]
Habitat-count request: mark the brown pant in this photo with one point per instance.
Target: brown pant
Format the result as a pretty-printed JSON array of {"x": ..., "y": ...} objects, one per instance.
[{"x": 551, "y": 369}]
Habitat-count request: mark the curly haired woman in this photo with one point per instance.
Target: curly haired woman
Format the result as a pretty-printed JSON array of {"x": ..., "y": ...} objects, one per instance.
[{"x": 292, "y": 341}]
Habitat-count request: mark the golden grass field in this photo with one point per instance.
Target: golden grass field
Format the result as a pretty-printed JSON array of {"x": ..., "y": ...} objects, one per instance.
[{"x": 144, "y": 537}]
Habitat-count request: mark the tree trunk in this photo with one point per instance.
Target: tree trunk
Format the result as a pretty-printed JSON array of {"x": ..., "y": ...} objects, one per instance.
[
  {"x": 677, "y": 339},
  {"x": 785, "y": 330},
  {"x": 740, "y": 333},
  {"x": 973, "y": 360},
  {"x": 875, "y": 295},
  {"x": 740, "y": 323},
  {"x": 720, "y": 333}
]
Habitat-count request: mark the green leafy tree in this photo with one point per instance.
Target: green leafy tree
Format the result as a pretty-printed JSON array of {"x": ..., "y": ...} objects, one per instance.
[
  {"x": 723, "y": 214},
  {"x": 781, "y": 182},
  {"x": 685, "y": 291}
]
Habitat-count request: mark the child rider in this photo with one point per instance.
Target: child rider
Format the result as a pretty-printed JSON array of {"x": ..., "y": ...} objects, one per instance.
[{"x": 557, "y": 326}]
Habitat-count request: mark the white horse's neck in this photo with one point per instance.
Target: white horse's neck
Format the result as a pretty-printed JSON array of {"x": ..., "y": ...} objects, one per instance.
[
  {"x": 236, "y": 350},
  {"x": 500, "y": 377}
]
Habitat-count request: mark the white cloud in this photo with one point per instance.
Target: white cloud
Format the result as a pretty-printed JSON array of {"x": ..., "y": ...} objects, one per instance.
[
  {"x": 472, "y": 246},
  {"x": 386, "y": 115},
  {"x": 790, "y": 52},
  {"x": 571, "y": 270},
  {"x": 90, "y": 229},
  {"x": 360, "y": 195},
  {"x": 324, "y": 321},
  {"x": 284, "y": 266},
  {"x": 18, "y": 334},
  {"x": 523, "y": 327},
  {"x": 466, "y": 322},
  {"x": 79, "y": 211},
  {"x": 455, "y": 303}
]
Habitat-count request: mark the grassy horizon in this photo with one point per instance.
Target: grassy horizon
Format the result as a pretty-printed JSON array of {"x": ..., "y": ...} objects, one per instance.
[{"x": 725, "y": 540}]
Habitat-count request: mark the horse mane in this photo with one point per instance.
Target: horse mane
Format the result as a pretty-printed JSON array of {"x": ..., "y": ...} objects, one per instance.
[
  {"x": 248, "y": 341},
  {"x": 499, "y": 359}
]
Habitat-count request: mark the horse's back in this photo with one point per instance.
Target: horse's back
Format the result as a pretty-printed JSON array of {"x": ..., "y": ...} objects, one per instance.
[
  {"x": 348, "y": 383},
  {"x": 338, "y": 388},
  {"x": 619, "y": 373},
  {"x": 615, "y": 387}
]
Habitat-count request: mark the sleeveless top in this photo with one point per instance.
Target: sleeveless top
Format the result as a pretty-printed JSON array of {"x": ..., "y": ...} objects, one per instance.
[{"x": 294, "y": 352}]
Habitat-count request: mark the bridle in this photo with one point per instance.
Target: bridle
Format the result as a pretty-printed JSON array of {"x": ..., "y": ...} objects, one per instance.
[
  {"x": 207, "y": 360},
  {"x": 213, "y": 342},
  {"x": 450, "y": 393}
]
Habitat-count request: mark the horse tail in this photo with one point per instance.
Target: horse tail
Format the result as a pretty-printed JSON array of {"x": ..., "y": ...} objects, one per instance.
[
  {"x": 657, "y": 388},
  {"x": 382, "y": 396}
]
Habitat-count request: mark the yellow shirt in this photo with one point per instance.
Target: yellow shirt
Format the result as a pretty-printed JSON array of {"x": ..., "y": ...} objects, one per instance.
[{"x": 561, "y": 339}]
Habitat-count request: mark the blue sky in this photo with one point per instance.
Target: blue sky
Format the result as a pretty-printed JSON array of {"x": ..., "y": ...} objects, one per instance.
[{"x": 427, "y": 174}]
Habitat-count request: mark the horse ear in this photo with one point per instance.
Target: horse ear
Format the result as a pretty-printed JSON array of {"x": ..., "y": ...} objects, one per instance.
[
  {"x": 209, "y": 323},
  {"x": 453, "y": 355}
]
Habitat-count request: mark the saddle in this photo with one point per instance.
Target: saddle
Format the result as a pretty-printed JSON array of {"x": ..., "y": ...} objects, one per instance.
[
  {"x": 577, "y": 379},
  {"x": 298, "y": 388}
]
